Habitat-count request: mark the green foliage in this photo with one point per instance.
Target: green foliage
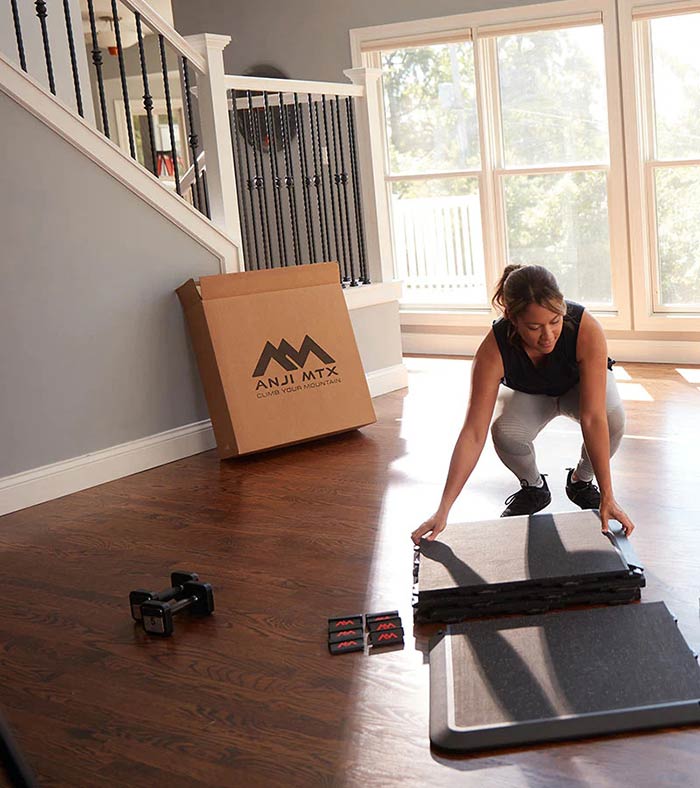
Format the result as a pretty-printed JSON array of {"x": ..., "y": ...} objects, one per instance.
[
  {"x": 552, "y": 88},
  {"x": 553, "y": 106},
  {"x": 431, "y": 108},
  {"x": 561, "y": 222},
  {"x": 678, "y": 216}
]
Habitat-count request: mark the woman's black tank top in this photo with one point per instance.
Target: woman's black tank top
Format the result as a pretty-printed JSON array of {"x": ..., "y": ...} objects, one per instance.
[{"x": 558, "y": 372}]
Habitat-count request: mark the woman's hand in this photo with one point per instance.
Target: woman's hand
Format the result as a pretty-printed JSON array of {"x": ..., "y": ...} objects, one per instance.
[
  {"x": 611, "y": 510},
  {"x": 432, "y": 526}
]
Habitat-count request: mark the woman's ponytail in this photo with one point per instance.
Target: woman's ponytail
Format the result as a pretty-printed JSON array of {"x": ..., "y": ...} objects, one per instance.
[{"x": 498, "y": 299}]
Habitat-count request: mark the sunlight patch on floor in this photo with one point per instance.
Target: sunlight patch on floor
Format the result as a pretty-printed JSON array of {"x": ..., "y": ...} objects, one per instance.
[
  {"x": 621, "y": 373},
  {"x": 691, "y": 375},
  {"x": 634, "y": 392}
]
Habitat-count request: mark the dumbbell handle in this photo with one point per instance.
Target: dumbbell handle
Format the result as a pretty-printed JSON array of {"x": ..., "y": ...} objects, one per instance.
[
  {"x": 181, "y": 604},
  {"x": 138, "y": 598},
  {"x": 168, "y": 594}
]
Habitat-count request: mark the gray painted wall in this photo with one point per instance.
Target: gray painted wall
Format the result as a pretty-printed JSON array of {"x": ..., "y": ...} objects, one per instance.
[
  {"x": 308, "y": 39},
  {"x": 93, "y": 347}
]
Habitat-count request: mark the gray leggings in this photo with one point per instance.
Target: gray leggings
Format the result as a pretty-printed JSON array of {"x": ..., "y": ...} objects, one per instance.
[{"x": 521, "y": 417}]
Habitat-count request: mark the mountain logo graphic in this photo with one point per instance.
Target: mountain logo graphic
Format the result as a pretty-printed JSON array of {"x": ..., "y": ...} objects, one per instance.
[{"x": 289, "y": 358}]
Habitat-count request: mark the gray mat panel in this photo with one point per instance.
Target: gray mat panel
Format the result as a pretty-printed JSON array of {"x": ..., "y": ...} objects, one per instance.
[
  {"x": 525, "y": 549},
  {"x": 505, "y": 682}
]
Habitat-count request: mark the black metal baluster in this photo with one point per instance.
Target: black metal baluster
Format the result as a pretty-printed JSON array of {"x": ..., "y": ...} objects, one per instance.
[
  {"x": 73, "y": 60},
  {"x": 97, "y": 61},
  {"x": 42, "y": 13},
  {"x": 248, "y": 137},
  {"x": 169, "y": 107},
  {"x": 336, "y": 183},
  {"x": 262, "y": 191},
  {"x": 18, "y": 35},
  {"x": 242, "y": 184},
  {"x": 147, "y": 98},
  {"x": 318, "y": 179},
  {"x": 122, "y": 74},
  {"x": 194, "y": 140},
  {"x": 288, "y": 177},
  {"x": 331, "y": 179},
  {"x": 205, "y": 189},
  {"x": 344, "y": 192},
  {"x": 359, "y": 219},
  {"x": 257, "y": 179},
  {"x": 301, "y": 143},
  {"x": 276, "y": 181}
]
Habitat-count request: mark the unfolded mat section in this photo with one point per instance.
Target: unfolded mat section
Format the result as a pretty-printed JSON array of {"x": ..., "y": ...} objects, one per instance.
[{"x": 512, "y": 681}]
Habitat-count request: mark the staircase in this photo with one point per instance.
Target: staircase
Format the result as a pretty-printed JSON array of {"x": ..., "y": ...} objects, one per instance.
[{"x": 131, "y": 162}]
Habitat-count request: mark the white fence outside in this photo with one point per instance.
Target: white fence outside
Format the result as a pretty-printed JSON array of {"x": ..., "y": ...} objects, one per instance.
[{"x": 439, "y": 249}]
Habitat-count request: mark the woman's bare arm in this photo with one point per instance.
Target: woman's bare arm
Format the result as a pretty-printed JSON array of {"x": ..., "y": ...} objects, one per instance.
[
  {"x": 592, "y": 352},
  {"x": 487, "y": 372}
]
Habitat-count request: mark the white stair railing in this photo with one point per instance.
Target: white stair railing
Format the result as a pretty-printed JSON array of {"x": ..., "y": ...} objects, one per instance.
[
  {"x": 302, "y": 153},
  {"x": 307, "y": 184}
]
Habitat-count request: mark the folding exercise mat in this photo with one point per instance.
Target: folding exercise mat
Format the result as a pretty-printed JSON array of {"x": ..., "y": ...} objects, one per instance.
[
  {"x": 523, "y": 564},
  {"x": 512, "y": 681}
]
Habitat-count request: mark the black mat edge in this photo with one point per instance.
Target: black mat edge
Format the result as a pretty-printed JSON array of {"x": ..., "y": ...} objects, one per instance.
[
  {"x": 448, "y": 614},
  {"x": 561, "y": 581},
  {"x": 530, "y": 591}
]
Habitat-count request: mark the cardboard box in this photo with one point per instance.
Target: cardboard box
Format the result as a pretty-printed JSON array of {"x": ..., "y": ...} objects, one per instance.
[{"x": 277, "y": 356}]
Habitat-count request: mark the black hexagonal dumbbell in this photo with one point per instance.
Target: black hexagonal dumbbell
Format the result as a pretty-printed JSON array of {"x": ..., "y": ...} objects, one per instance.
[
  {"x": 157, "y": 615},
  {"x": 177, "y": 582}
]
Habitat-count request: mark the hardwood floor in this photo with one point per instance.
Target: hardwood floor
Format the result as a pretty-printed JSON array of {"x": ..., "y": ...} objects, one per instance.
[{"x": 250, "y": 696}]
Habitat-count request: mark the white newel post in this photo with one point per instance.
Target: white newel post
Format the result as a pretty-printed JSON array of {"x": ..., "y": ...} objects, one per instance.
[
  {"x": 370, "y": 148},
  {"x": 212, "y": 100}
]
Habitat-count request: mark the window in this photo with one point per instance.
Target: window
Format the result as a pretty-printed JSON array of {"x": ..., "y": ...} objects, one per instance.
[
  {"x": 434, "y": 172},
  {"x": 520, "y": 155},
  {"x": 553, "y": 145},
  {"x": 667, "y": 65},
  {"x": 499, "y": 150}
]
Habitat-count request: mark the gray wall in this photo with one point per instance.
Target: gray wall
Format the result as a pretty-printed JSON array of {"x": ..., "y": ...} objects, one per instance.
[
  {"x": 308, "y": 39},
  {"x": 93, "y": 347}
]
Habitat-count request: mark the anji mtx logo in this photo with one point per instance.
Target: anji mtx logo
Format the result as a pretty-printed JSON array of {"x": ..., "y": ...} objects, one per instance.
[{"x": 289, "y": 358}]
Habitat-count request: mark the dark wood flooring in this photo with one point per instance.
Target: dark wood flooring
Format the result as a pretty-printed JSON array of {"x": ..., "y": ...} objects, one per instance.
[{"x": 250, "y": 696}]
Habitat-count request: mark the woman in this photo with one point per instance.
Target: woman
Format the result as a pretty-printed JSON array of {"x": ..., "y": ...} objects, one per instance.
[{"x": 551, "y": 356}]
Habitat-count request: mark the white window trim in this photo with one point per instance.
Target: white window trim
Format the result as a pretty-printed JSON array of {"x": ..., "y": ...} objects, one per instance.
[
  {"x": 364, "y": 44},
  {"x": 636, "y": 89}
]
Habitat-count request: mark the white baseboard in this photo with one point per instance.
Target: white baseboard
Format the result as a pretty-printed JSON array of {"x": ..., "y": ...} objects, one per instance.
[
  {"x": 49, "y": 482},
  {"x": 440, "y": 344},
  {"x": 388, "y": 379},
  {"x": 658, "y": 351},
  {"x": 68, "y": 476},
  {"x": 652, "y": 351}
]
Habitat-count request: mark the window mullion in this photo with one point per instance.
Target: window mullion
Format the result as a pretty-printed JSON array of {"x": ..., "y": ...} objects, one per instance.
[
  {"x": 645, "y": 90},
  {"x": 488, "y": 104},
  {"x": 647, "y": 142}
]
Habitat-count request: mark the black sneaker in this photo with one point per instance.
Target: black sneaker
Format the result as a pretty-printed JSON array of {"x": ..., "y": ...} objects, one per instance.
[
  {"x": 584, "y": 494},
  {"x": 528, "y": 499}
]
